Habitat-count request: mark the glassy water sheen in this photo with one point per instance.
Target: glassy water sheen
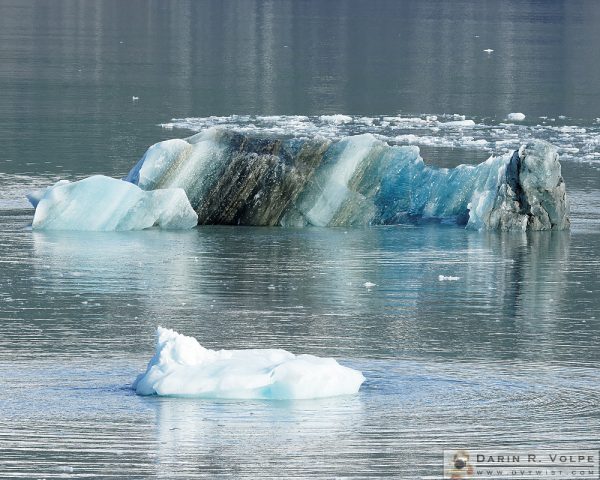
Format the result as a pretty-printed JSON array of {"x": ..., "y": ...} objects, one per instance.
[{"x": 507, "y": 355}]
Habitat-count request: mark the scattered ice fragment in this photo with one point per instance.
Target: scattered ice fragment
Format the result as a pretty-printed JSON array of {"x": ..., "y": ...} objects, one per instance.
[
  {"x": 516, "y": 117},
  {"x": 182, "y": 367},
  {"x": 459, "y": 123},
  {"x": 449, "y": 278},
  {"x": 369, "y": 284},
  {"x": 488, "y": 50},
  {"x": 65, "y": 468},
  {"x": 336, "y": 118}
]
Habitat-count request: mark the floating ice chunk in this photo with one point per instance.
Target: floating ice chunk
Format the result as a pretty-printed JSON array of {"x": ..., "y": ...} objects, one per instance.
[
  {"x": 366, "y": 121},
  {"x": 516, "y": 117},
  {"x": 65, "y": 469},
  {"x": 337, "y": 119},
  {"x": 182, "y": 367},
  {"x": 449, "y": 278},
  {"x": 459, "y": 123},
  {"x": 104, "y": 203}
]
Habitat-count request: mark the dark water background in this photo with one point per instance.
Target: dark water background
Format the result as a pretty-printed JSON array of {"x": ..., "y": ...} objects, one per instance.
[{"x": 505, "y": 356}]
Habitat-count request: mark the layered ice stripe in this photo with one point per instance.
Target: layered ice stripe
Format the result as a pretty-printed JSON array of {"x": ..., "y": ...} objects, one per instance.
[
  {"x": 182, "y": 367},
  {"x": 103, "y": 204}
]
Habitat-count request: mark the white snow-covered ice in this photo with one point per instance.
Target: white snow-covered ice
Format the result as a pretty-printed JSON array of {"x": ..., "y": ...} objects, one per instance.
[
  {"x": 182, "y": 367},
  {"x": 103, "y": 203}
]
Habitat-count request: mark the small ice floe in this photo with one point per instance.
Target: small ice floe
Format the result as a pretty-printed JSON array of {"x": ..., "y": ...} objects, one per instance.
[
  {"x": 65, "y": 469},
  {"x": 459, "y": 123},
  {"x": 449, "y": 278},
  {"x": 369, "y": 284},
  {"x": 337, "y": 119},
  {"x": 488, "y": 50},
  {"x": 183, "y": 367},
  {"x": 134, "y": 98},
  {"x": 516, "y": 117}
]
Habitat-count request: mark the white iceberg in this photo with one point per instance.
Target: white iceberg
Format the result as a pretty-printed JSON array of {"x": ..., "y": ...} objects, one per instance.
[
  {"x": 182, "y": 367},
  {"x": 103, "y": 203}
]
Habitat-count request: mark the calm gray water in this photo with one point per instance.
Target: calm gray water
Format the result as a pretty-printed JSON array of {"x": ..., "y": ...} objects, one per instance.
[{"x": 507, "y": 355}]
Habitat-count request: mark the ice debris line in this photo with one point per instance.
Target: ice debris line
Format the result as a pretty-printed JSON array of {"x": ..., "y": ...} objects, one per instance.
[
  {"x": 236, "y": 179},
  {"x": 182, "y": 367}
]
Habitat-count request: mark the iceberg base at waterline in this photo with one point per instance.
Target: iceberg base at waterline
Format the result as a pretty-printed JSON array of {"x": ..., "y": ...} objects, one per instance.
[
  {"x": 182, "y": 367},
  {"x": 103, "y": 204}
]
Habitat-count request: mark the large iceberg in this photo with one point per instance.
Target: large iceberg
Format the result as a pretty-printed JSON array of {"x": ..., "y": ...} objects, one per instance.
[
  {"x": 104, "y": 203},
  {"x": 182, "y": 367},
  {"x": 221, "y": 176},
  {"x": 234, "y": 179}
]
